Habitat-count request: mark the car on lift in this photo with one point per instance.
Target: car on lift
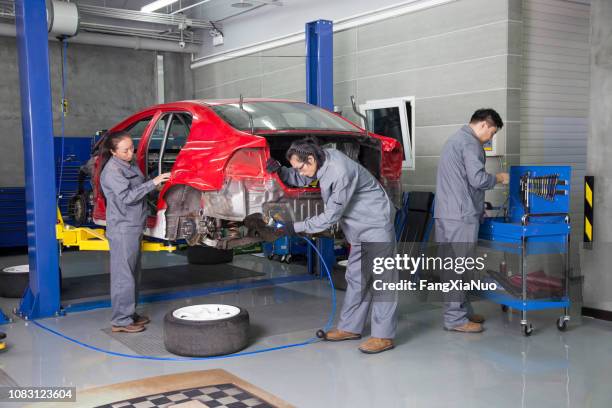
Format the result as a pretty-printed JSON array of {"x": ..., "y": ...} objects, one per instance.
[{"x": 216, "y": 151}]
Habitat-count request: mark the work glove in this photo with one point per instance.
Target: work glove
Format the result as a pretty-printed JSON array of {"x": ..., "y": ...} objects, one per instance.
[
  {"x": 286, "y": 228},
  {"x": 268, "y": 232},
  {"x": 273, "y": 165}
]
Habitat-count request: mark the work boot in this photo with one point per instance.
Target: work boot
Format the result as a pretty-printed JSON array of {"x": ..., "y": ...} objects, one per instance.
[
  {"x": 469, "y": 327},
  {"x": 140, "y": 320},
  {"x": 130, "y": 328},
  {"x": 375, "y": 345},
  {"x": 341, "y": 335},
  {"x": 476, "y": 318}
]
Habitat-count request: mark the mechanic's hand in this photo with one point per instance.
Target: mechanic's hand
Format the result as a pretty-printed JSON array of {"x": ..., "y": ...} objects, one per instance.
[
  {"x": 503, "y": 178},
  {"x": 162, "y": 178},
  {"x": 273, "y": 165}
]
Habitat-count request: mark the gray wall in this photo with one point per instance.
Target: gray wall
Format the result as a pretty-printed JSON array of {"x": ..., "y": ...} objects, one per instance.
[
  {"x": 597, "y": 263},
  {"x": 555, "y": 91},
  {"x": 453, "y": 58},
  {"x": 103, "y": 86}
]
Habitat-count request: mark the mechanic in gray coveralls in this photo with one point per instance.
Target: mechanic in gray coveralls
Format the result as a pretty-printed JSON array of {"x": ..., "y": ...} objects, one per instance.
[
  {"x": 353, "y": 198},
  {"x": 125, "y": 191},
  {"x": 459, "y": 205}
]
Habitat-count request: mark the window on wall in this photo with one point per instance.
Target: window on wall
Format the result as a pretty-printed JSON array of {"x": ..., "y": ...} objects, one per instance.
[{"x": 393, "y": 118}]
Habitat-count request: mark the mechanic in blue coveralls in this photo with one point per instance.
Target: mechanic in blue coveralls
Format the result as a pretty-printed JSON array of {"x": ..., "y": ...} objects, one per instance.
[
  {"x": 125, "y": 191},
  {"x": 459, "y": 207},
  {"x": 353, "y": 198}
]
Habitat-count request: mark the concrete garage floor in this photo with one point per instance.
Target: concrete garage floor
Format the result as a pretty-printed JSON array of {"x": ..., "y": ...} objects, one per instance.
[{"x": 428, "y": 368}]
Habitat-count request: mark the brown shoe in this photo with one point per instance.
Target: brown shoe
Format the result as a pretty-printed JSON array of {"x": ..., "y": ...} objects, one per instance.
[
  {"x": 476, "y": 318},
  {"x": 130, "y": 328},
  {"x": 469, "y": 327},
  {"x": 140, "y": 320},
  {"x": 375, "y": 345},
  {"x": 341, "y": 335}
]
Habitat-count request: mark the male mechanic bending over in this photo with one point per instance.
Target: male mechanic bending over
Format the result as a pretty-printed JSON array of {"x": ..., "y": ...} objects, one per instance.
[{"x": 355, "y": 199}]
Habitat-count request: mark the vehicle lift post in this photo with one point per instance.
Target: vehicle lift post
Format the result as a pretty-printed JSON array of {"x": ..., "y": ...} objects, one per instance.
[
  {"x": 320, "y": 92},
  {"x": 42, "y": 298}
]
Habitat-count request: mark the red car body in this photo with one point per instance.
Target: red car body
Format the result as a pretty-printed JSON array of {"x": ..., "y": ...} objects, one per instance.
[{"x": 217, "y": 160}]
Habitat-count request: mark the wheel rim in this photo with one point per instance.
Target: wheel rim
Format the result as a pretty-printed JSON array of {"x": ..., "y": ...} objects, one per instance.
[
  {"x": 206, "y": 313},
  {"x": 17, "y": 269}
]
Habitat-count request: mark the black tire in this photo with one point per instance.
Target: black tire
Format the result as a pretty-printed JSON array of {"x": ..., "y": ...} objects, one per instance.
[
  {"x": 206, "y": 338},
  {"x": 339, "y": 277},
  {"x": 205, "y": 255},
  {"x": 77, "y": 209},
  {"x": 13, "y": 284}
]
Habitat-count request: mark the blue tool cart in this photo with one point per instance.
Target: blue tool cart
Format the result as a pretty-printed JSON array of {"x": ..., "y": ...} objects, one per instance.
[{"x": 536, "y": 222}]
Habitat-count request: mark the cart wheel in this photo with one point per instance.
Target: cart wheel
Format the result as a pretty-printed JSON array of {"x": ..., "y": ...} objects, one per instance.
[
  {"x": 288, "y": 259},
  {"x": 561, "y": 324},
  {"x": 527, "y": 330},
  {"x": 321, "y": 334},
  {"x": 504, "y": 308},
  {"x": 271, "y": 256}
]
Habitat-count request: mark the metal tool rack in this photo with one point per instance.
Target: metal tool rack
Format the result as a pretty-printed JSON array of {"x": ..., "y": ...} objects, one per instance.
[{"x": 538, "y": 213}]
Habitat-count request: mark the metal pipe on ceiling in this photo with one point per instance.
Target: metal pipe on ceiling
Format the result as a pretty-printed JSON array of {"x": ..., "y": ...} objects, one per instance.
[{"x": 135, "y": 43}]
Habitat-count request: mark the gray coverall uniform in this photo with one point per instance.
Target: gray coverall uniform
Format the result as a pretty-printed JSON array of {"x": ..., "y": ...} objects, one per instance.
[
  {"x": 460, "y": 189},
  {"x": 355, "y": 199},
  {"x": 125, "y": 189}
]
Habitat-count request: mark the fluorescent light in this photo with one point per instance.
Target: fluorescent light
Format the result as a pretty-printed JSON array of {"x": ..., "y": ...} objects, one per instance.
[{"x": 156, "y": 5}]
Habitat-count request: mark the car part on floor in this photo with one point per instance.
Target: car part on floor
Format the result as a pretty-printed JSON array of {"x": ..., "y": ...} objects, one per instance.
[
  {"x": 206, "y": 330},
  {"x": 205, "y": 255},
  {"x": 328, "y": 325}
]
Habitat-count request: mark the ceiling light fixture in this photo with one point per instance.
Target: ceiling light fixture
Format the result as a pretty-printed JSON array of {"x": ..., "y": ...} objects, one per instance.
[
  {"x": 156, "y": 5},
  {"x": 242, "y": 4}
]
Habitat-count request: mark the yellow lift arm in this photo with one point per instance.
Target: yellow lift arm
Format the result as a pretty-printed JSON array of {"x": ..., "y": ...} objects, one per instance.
[{"x": 94, "y": 239}]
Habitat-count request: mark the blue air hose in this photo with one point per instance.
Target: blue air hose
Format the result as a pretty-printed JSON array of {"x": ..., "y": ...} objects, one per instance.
[{"x": 328, "y": 325}]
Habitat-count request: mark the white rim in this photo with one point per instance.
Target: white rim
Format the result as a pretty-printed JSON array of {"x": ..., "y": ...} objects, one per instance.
[
  {"x": 343, "y": 263},
  {"x": 17, "y": 269},
  {"x": 206, "y": 313}
]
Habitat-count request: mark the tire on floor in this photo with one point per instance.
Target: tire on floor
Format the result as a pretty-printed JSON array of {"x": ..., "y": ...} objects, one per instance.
[
  {"x": 206, "y": 330},
  {"x": 14, "y": 280},
  {"x": 205, "y": 255},
  {"x": 339, "y": 275}
]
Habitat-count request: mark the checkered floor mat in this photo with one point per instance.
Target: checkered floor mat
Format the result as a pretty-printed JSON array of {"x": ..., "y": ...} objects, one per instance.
[{"x": 211, "y": 396}]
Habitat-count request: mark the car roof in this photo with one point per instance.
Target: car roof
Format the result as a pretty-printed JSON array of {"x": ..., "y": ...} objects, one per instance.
[{"x": 213, "y": 102}]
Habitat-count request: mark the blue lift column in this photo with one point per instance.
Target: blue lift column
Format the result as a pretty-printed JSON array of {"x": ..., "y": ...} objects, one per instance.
[
  {"x": 319, "y": 64},
  {"x": 320, "y": 91},
  {"x": 42, "y": 298},
  {"x": 4, "y": 318}
]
